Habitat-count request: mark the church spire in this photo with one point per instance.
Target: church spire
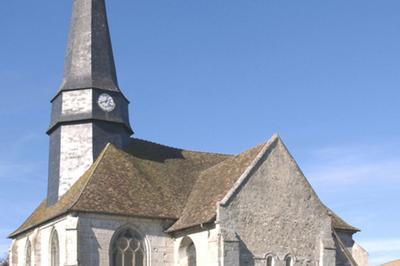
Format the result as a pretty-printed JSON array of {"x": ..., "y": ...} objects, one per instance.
[
  {"x": 89, "y": 111},
  {"x": 89, "y": 60}
]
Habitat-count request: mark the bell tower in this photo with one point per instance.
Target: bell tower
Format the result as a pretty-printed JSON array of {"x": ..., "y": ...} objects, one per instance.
[{"x": 89, "y": 110}]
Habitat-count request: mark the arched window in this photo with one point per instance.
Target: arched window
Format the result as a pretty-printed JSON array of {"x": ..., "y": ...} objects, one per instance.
[
  {"x": 288, "y": 260},
  {"x": 54, "y": 249},
  {"x": 270, "y": 260},
  {"x": 187, "y": 253},
  {"x": 128, "y": 249}
]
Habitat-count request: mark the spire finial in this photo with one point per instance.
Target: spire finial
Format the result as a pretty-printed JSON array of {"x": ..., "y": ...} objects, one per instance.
[{"x": 89, "y": 60}]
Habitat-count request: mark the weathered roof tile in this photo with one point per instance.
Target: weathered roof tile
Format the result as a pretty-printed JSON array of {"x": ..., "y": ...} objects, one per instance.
[{"x": 152, "y": 180}]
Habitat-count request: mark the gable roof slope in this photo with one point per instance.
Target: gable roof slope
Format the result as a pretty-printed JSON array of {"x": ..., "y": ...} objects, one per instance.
[
  {"x": 147, "y": 180},
  {"x": 211, "y": 187},
  {"x": 156, "y": 181},
  {"x": 219, "y": 184}
]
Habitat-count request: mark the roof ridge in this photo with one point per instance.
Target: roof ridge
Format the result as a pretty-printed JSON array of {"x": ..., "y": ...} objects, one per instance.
[
  {"x": 95, "y": 166},
  {"x": 232, "y": 157},
  {"x": 252, "y": 165},
  {"x": 229, "y": 160},
  {"x": 182, "y": 149}
]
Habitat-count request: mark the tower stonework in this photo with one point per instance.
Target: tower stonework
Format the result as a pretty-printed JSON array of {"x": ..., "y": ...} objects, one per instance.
[{"x": 89, "y": 109}]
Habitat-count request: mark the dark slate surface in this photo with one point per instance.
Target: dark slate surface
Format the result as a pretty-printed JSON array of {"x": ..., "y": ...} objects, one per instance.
[
  {"x": 104, "y": 133},
  {"x": 89, "y": 61},
  {"x": 120, "y": 115},
  {"x": 89, "y": 64},
  {"x": 54, "y": 167}
]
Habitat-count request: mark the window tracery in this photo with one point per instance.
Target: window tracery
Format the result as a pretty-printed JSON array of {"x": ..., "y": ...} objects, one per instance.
[{"x": 128, "y": 249}]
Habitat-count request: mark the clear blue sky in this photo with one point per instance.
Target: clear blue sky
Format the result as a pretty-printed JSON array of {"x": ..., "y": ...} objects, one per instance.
[{"x": 224, "y": 76}]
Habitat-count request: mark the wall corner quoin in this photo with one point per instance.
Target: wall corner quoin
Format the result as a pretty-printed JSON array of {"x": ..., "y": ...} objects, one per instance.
[
  {"x": 229, "y": 248},
  {"x": 71, "y": 240},
  {"x": 13, "y": 253},
  {"x": 327, "y": 252}
]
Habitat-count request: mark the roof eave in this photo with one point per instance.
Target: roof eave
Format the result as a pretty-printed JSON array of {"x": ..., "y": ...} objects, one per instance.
[{"x": 19, "y": 232}]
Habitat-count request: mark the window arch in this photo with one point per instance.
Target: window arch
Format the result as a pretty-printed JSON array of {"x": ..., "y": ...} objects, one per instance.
[
  {"x": 289, "y": 260},
  {"x": 187, "y": 253},
  {"x": 54, "y": 249},
  {"x": 28, "y": 253},
  {"x": 270, "y": 261},
  {"x": 128, "y": 249}
]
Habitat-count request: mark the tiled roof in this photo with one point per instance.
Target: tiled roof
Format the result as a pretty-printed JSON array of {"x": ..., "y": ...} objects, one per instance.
[
  {"x": 147, "y": 180},
  {"x": 339, "y": 224},
  {"x": 211, "y": 187},
  {"x": 155, "y": 181}
]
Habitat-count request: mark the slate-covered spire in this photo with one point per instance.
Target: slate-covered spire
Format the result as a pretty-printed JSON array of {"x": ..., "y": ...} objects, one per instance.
[
  {"x": 89, "y": 111},
  {"x": 89, "y": 60}
]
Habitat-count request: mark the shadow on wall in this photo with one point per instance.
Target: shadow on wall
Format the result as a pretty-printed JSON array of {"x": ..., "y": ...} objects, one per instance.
[
  {"x": 91, "y": 256},
  {"x": 187, "y": 252},
  {"x": 245, "y": 256}
]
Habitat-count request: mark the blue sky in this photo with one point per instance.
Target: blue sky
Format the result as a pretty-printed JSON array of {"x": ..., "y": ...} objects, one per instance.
[{"x": 224, "y": 76}]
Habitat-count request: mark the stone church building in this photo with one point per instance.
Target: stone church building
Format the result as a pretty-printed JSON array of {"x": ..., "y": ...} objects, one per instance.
[{"x": 121, "y": 201}]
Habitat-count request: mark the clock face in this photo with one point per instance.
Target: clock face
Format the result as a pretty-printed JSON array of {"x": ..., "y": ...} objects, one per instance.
[{"x": 106, "y": 102}]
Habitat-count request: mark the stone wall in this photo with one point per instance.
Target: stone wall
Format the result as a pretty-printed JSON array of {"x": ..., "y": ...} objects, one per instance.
[
  {"x": 96, "y": 233},
  {"x": 40, "y": 241},
  {"x": 76, "y": 154},
  {"x": 275, "y": 211},
  {"x": 77, "y": 102}
]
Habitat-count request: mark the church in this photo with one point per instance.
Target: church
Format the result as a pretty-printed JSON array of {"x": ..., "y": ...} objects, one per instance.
[{"x": 116, "y": 200}]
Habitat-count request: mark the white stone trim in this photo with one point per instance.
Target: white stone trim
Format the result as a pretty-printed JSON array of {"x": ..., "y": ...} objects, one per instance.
[
  {"x": 247, "y": 173},
  {"x": 76, "y": 154},
  {"x": 77, "y": 102}
]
